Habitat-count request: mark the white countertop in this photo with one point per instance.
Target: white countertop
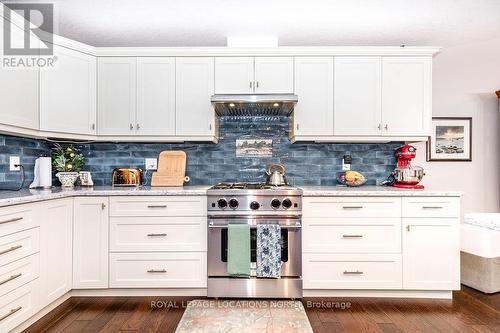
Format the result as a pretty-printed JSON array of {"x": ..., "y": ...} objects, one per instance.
[
  {"x": 362, "y": 191},
  {"x": 8, "y": 198},
  {"x": 25, "y": 196}
]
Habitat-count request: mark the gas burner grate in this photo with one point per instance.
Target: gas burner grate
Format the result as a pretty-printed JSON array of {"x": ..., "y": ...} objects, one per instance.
[{"x": 245, "y": 186}]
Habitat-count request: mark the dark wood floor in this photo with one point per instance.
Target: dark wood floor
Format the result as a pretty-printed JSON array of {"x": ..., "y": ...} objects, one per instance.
[{"x": 469, "y": 311}]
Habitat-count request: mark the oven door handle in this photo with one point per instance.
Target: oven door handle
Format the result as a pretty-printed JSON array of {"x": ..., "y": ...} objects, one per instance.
[{"x": 211, "y": 225}]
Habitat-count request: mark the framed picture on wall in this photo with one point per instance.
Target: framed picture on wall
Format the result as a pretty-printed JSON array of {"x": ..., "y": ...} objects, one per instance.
[{"x": 451, "y": 140}]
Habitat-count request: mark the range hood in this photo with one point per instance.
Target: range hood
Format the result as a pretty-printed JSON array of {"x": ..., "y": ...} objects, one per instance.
[{"x": 254, "y": 105}]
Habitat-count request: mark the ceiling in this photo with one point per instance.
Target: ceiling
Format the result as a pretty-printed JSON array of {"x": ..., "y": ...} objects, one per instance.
[{"x": 294, "y": 22}]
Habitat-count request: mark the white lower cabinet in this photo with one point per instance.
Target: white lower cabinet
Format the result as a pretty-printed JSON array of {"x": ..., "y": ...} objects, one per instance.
[
  {"x": 381, "y": 243},
  {"x": 19, "y": 305},
  {"x": 90, "y": 243},
  {"x": 158, "y": 270},
  {"x": 56, "y": 232},
  {"x": 348, "y": 271},
  {"x": 431, "y": 254}
]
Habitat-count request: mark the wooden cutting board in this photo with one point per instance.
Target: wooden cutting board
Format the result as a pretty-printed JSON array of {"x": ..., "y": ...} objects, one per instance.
[{"x": 171, "y": 169}]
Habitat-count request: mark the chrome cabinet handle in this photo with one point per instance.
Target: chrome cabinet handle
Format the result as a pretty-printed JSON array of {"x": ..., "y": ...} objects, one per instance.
[
  {"x": 131, "y": 126},
  {"x": 11, "y": 312},
  {"x": 379, "y": 127},
  {"x": 250, "y": 84},
  {"x": 93, "y": 126},
  {"x": 386, "y": 127},
  {"x": 157, "y": 271},
  {"x": 352, "y": 207},
  {"x": 432, "y": 207},
  {"x": 210, "y": 126},
  {"x": 257, "y": 84},
  {"x": 298, "y": 127},
  {"x": 352, "y": 236},
  {"x": 408, "y": 227},
  {"x": 353, "y": 273},
  {"x": 13, "y": 248},
  {"x": 12, "y": 277},
  {"x": 157, "y": 235},
  {"x": 157, "y": 206},
  {"x": 138, "y": 127},
  {"x": 11, "y": 220},
  {"x": 103, "y": 206}
]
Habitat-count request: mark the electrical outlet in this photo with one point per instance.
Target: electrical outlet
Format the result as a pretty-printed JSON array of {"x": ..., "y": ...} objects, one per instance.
[
  {"x": 346, "y": 162},
  {"x": 151, "y": 163},
  {"x": 13, "y": 161}
]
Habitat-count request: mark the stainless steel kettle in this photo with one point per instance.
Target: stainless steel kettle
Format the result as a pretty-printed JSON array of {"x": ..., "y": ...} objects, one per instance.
[{"x": 276, "y": 175}]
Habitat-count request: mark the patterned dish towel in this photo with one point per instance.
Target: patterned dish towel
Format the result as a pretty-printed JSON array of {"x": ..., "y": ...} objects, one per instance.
[{"x": 269, "y": 250}]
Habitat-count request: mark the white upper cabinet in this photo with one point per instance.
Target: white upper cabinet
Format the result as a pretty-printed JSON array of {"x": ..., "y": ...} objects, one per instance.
[
  {"x": 18, "y": 88},
  {"x": 68, "y": 93},
  {"x": 274, "y": 75},
  {"x": 358, "y": 99},
  {"x": 234, "y": 75},
  {"x": 406, "y": 95},
  {"x": 313, "y": 114},
  {"x": 195, "y": 115},
  {"x": 155, "y": 96},
  {"x": 116, "y": 95},
  {"x": 247, "y": 75}
]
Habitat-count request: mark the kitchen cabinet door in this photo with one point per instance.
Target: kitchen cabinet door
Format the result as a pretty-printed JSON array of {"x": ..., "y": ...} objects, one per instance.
[
  {"x": 406, "y": 96},
  {"x": 90, "y": 244},
  {"x": 18, "y": 88},
  {"x": 155, "y": 96},
  {"x": 116, "y": 95},
  {"x": 431, "y": 254},
  {"x": 68, "y": 93},
  {"x": 313, "y": 114},
  {"x": 195, "y": 115},
  {"x": 56, "y": 242},
  {"x": 274, "y": 75},
  {"x": 234, "y": 75},
  {"x": 357, "y": 97}
]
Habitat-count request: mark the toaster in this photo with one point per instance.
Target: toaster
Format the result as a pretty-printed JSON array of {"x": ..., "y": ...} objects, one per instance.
[{"x": 126, "y": 177}]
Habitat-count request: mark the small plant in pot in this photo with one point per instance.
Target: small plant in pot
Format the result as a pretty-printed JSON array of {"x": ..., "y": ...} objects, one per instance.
[{"x": 67, "y": 162}]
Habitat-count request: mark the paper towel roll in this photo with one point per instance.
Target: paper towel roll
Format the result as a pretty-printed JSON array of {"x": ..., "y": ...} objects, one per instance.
[{"x": 43, "y": 173}]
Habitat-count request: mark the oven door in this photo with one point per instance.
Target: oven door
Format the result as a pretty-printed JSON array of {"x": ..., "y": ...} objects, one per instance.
[{"x": 291, "y": 249}]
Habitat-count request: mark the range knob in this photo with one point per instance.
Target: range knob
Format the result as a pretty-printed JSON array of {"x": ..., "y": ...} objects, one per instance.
[
  {"x": 254, "y": 205},
  {"x": 275, "y": 203},
  {"x": 222, "y": 203},
  {"x": 287, "y": 203},
  {"x": 233, "y": 203}
]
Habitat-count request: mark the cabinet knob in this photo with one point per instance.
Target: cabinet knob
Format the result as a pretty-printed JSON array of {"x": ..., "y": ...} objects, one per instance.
[
  {"x": 138, "y": 127},
  {"x": 131, "y": 126},
  {"x": 386, "y": 127}
]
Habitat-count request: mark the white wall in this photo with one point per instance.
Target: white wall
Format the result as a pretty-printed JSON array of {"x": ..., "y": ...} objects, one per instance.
[{"x": 465, "y": 80}]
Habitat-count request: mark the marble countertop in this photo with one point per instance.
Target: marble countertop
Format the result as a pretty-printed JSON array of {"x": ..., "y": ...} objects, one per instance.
[
  {"x": 26, "y": 195},
  {"x": 326, "y": 191},
  {"x": 8, "y": 198}
]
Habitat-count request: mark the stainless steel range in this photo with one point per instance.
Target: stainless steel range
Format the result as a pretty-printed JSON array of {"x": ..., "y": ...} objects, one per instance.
[{"x": 253, "y": 204}]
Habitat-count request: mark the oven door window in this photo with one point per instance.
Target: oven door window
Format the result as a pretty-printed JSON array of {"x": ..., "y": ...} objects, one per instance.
[{"x": 253, "y": 245}]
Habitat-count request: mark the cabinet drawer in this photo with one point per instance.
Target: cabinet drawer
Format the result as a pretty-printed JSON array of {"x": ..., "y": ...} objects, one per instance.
[
  {"x": 18, "y": 273},
  {"x": 152, "y": 234},
  {"x": 19, "y": 245},
  {"x": 431, "y": 207},
  {"x": 159, "y": 206},
  {"x": 374, "y": 235},
  {"x": 158, "y": 270},
  {"x": 350, "y": 271},
  {"x": 17, "y": 218},
  {"x": 18, "y": 305},
  {"x": 351, "y": 207}
]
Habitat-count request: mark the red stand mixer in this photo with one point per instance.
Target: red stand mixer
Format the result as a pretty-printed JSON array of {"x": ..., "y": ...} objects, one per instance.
[{"x": 405, "y": 175}]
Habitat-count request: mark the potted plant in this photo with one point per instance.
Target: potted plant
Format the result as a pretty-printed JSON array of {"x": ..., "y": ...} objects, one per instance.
[{"x": 67, "y": 162}]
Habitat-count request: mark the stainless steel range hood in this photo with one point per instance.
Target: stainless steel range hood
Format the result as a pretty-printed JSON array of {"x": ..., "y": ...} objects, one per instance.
[{"x": 254, "y": 105}]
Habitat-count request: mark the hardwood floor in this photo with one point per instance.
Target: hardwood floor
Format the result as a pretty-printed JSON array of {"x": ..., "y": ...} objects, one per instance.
[{"x": 469, "y": 311}]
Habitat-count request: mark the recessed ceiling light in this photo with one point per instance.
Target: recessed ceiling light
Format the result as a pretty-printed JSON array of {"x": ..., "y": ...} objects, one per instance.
[
  {"x": 276, "y": 105},
  {"x": 231, "y": 105}
]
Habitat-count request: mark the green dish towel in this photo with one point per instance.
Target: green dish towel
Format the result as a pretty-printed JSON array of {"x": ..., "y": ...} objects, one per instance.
[{"x": 238, "y": 250}]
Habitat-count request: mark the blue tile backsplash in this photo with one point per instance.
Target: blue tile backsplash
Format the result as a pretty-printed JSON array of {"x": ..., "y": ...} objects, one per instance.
[{"x": 208, "y": 163}]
